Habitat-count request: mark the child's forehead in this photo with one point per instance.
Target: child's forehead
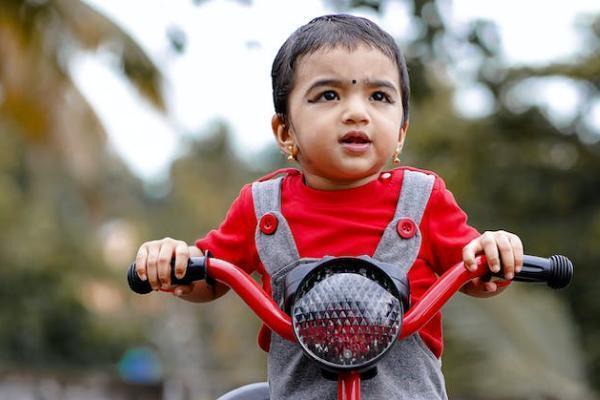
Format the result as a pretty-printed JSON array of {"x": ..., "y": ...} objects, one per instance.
[
  {"x": 340, "y": 52},
  {"x": 352, "y": 63}
]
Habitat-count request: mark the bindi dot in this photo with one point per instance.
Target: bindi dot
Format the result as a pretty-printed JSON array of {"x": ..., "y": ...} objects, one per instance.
[{"x": 354, "y": 81}]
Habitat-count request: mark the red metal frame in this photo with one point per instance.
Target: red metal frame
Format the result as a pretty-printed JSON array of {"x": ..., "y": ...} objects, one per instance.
[
  {"x": 253, "y": 295},
  {"x": 438, "y": 294},
  {"x": 349, "y": 386},
  {"x": 279, "y": 322}
]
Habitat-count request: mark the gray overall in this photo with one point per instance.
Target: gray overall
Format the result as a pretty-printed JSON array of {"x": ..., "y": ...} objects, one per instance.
[{"x": 410, "y": 370}]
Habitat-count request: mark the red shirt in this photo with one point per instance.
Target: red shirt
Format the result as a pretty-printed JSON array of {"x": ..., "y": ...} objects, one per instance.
[{"x": 350, "y": 223}]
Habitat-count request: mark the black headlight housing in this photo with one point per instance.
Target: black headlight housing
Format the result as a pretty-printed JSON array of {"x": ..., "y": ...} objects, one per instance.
[{"x": 346, "y": 311}]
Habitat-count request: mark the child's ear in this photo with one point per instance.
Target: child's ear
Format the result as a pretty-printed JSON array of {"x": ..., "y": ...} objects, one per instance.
[
  {"x": 281, "y": 131},
  {"x": 402, "y": 134}
]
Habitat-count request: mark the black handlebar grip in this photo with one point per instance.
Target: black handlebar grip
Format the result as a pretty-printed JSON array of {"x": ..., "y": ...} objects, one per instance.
[
  {"x": 556, "y": 271},
  {"x": 196, "y": 271}
]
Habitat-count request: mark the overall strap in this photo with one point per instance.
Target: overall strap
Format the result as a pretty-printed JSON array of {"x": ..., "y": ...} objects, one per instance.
[
  {"x": 274, "y": 241},
  {"x": 401, "y": 239}
]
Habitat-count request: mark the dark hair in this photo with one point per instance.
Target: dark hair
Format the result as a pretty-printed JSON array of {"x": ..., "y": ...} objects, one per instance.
[{"x": 329, "y": 31}]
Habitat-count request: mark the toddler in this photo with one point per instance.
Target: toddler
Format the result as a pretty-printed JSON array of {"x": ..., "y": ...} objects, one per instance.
[{"x": 341, "y": 94}]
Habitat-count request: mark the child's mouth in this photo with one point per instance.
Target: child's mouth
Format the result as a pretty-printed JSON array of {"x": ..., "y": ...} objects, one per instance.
[{"x": 355, "y": 142}]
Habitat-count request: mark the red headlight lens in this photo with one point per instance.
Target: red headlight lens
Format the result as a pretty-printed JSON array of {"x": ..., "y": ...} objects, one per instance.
[{"x": 346, "y": 320}]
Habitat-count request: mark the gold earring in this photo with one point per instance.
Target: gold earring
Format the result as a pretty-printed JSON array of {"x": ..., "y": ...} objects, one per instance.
[
  {"x": 396, "y": 155},
  {"x": 292, "y": 152}
]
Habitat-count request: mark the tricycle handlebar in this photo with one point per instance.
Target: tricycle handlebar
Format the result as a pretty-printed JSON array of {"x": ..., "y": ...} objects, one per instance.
[{"x": 556, "y": 271}]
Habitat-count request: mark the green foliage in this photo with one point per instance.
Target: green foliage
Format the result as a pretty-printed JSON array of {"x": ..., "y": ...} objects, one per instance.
[
  {"x": 47, "y": 228},
  {"x": 46, "y": 324}
]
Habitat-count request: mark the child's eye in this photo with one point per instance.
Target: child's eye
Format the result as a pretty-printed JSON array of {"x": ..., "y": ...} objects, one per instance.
[
  {"x": 328, "y": 95},
  {"x": 381, "y": 96}
]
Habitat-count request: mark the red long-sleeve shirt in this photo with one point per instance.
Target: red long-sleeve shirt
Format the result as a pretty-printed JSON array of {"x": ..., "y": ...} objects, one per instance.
[{"x": 350, "y": 223}]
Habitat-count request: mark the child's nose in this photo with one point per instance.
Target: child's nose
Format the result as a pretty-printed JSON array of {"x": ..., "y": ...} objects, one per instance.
[{"x": 355, "y": 111}]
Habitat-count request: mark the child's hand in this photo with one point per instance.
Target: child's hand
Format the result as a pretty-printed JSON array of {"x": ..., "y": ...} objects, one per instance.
[
  {"x": 502, "y": 250},
  {"x": 153, "y": 262}
]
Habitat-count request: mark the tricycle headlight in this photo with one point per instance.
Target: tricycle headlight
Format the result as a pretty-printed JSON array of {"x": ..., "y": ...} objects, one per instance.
[{"x": 348, "y": 319}]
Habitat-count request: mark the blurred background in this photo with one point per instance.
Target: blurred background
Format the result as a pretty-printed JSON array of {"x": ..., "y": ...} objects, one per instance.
[{"x": 122, "y": 122}]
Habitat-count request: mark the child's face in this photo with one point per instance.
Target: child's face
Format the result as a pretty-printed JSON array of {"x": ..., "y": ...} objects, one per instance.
[{"x": 344, "y": 116}]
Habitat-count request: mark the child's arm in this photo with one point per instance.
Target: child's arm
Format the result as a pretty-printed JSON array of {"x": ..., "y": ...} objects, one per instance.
[
  {"x": 153, "y": 263},
  {"x": 502, "y": 250}
]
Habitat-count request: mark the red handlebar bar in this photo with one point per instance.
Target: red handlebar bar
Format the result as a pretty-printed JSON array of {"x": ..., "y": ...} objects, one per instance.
[
  {"x": 271, "y": 314},
  {"x": 253, "y": 295},
  {"x": 438, "y": 294}
]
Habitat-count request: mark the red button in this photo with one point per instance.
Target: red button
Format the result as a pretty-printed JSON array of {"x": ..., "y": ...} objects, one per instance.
[
  {"x": 268, "y": 224},
  {"x": 406, "y": 228}
]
